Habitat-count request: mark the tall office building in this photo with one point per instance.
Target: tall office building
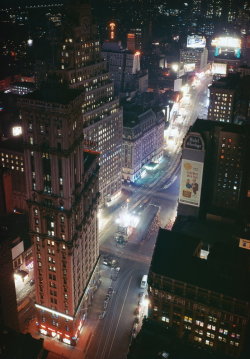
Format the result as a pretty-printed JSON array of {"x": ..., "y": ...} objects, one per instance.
[
  {"x": 134, "y": 39},
  {"x": 194, "y": 56},
  {"x": 124, "y": 67},
  {"x": 228, "y": 181},
  {"x": 62, "y": 192},
  {"x": 223, "y": 99},
  {"x": 215, "y": 159},
  {"x": 80, "y": 66}
]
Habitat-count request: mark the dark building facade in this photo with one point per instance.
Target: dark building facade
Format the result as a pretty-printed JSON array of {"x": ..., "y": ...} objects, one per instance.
[
  {"x": 206, "y": 301},
  {"x": 8, "y": 303}
]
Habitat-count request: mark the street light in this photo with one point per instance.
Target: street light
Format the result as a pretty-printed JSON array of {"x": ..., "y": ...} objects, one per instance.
[
  {"x": 145, "y": 302},
  {"x": 175, "y": 67},
  {"x": 185, "y": 89}
]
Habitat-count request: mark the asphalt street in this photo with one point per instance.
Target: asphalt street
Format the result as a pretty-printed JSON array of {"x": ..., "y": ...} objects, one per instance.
[{"x": 113, "y": 333}]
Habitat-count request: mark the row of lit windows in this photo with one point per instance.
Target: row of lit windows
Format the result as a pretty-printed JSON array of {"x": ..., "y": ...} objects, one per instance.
[
  {"x": 224, "y": 96},
  {"x": 7, "y": 160},
  {"x": 50, "y": 243},
  {"x": 11, "y": 156},
  {"x": 208, "y": 334},
  {"x": 201, "y": 324},
  {"x": 13, "y": 167},
  {"x": 211, "y": 343}
]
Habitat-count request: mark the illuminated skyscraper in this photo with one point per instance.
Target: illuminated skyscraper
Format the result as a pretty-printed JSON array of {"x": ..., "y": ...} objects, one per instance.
[
  {"x": 222, "y": 99},
  {"x": 215, "y": 154},
  {"x": 81, "y": 66},
  {"x": 62, "y": 192}
]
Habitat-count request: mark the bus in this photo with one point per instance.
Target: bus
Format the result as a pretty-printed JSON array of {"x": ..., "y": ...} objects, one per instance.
[{"x": 144, "y": 281}]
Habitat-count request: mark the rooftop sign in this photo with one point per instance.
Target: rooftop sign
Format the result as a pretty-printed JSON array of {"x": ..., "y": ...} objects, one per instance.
[{"x": 194, "y": 141}]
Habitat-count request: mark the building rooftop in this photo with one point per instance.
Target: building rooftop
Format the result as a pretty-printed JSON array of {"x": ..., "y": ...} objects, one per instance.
[
  {"x": 244, "y": 66},
  {"x": 55, "y": 94},
  {"x": 18, "y": 345},
  {"x": 230, "y": 82},
  {"x": 209, "y": 232},
  {"x": 13, "y": 226},
  {"x": 209, "y": 125},
  {"x": 12, "y": 144},
  {"x": 225, "y": 270}
]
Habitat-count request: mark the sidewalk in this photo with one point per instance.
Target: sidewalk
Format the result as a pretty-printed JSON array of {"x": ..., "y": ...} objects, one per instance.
[{"x": 59, "y": 350}]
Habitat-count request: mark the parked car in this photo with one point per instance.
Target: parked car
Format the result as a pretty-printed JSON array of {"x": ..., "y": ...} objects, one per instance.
[
  {"x": 102, "y": 315},
  {"x": 110, "y": 291}
]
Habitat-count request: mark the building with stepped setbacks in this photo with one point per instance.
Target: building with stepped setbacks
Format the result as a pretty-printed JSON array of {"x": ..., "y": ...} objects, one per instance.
[{"x": 72, "y": 130}]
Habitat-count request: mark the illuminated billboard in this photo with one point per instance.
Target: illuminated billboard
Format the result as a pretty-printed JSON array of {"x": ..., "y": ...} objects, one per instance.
[
  {"x": 228, "y": 42},
  {"x": 196, "y": 41},
  {"x": 177, "y": 84},
  {"x": 189, "y": 67},
  {"x": 219, "y": 69},
  {"x": 191, "y": 181}
]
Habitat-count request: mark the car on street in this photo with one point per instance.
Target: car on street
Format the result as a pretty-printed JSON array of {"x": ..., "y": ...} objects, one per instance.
[
  {"x": 134, "y": 332},
  {"x": 110, "y": 291},
  {"x": 110, "y": 261},
  {"x": 137, "y": 320},
  {"x": 102, "y": 315},
  {"x": 137, "y": 311}
]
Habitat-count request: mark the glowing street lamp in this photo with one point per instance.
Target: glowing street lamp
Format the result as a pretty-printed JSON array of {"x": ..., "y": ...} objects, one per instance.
[
  {"x": 185, "y": 89},
  {"x": 175, "y": 67},
  {"x": 30, "y": 42}
]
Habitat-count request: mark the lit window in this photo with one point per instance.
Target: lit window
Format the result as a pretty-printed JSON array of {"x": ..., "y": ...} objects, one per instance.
[
  {"x": 198, "y": 322},
  {"x": 207, "y": 342},
  {"x": 188, "y": 319},
  {"x": 165, "y": 319},
  {"x": 199, "y": 331},
  {"x": 197, "y": 339}
]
